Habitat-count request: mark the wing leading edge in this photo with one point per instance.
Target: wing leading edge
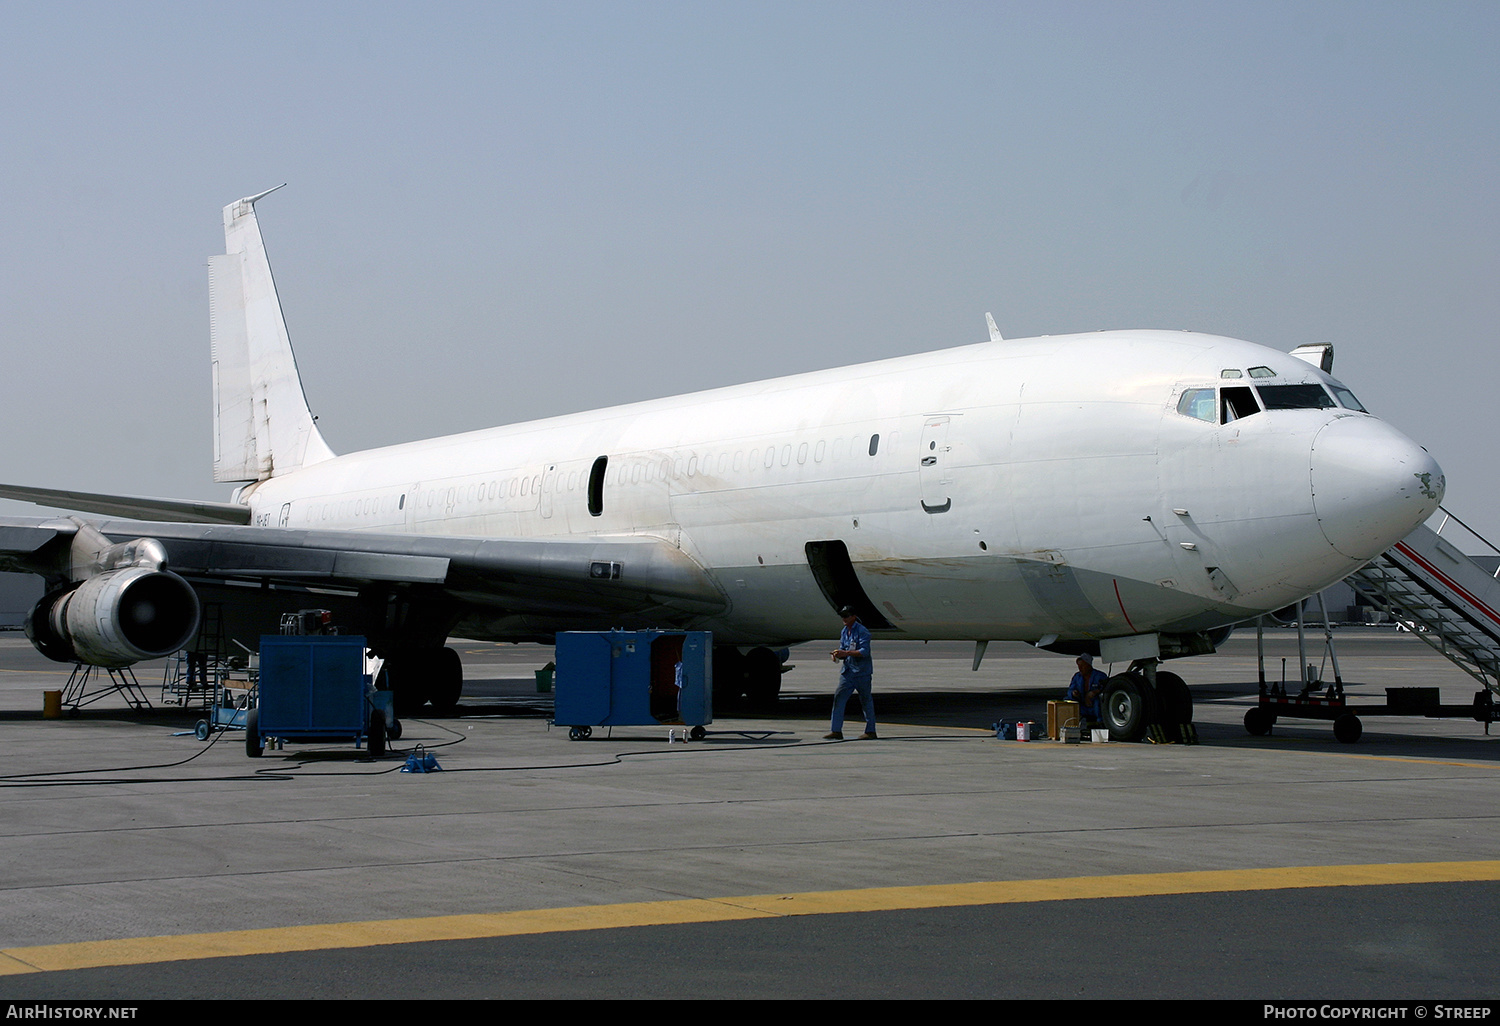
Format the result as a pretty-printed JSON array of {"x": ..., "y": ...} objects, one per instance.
[{"x": 527, "y": 577}]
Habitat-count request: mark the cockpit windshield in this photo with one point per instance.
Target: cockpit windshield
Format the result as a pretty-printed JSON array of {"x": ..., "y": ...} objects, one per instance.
[
  {"x": 1295, "y": 397},
  {"x": 1346, "y": 399},
  {"x": 1235, "y": 402},
  {"x": 1198, "y": 403}
]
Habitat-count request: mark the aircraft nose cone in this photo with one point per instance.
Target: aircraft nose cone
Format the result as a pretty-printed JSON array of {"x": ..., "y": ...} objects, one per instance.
[{"x": 1371, "y": 485}]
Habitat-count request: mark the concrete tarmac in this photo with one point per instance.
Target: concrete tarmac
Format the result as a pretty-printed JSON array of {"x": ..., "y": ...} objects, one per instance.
[{"x": 761, "y": 861}]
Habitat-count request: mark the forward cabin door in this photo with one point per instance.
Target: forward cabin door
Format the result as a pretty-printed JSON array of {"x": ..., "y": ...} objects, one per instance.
[{"x": 935, "y": 469}]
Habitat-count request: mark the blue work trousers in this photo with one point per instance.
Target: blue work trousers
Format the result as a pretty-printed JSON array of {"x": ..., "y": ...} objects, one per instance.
[{"x": 847, "y": 687}]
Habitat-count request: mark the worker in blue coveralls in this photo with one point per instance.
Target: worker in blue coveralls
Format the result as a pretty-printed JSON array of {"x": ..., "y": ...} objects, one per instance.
[
  {"x": 854, "y": 653},
  {"x": 1086, "y": 687}
]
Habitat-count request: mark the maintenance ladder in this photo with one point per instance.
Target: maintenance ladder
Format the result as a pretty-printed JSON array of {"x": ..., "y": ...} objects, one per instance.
[{"x": 1445, "y": 597}]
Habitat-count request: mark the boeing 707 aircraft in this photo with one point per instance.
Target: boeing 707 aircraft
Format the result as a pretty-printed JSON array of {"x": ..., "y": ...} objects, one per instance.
[{"x": 1128, "y": 493}]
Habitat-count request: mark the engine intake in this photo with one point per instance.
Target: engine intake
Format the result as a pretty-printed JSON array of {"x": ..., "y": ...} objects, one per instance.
[{"x": 116, "y": 618}]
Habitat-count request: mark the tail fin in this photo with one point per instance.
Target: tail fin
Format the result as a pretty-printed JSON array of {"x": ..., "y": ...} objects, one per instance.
[{"x": 262, "y": 426}]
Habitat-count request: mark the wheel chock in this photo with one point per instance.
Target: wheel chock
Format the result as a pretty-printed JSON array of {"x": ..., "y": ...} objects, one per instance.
[{"x": 421, "y": 761}]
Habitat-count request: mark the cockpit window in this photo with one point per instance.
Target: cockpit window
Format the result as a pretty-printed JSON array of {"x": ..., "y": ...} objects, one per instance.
[
  {"x": 1346, "y": 399},
  {"x": 1231, "y": 372},
  {"x": 1236, "y": 403},
  {"x": 1262, "y": 372},
  {"x": 1197, "y": 403},
  {"x": 1295, "y": 397}
]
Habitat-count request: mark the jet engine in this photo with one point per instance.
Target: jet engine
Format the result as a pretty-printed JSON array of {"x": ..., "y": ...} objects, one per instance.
[{"x": 116, "y": 618}]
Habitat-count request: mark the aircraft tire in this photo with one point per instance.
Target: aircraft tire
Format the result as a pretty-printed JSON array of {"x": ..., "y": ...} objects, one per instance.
[
  {"x": 447, "y": 682},
  {"x": 408, "y": 680},
  {"x": 729, "y": 677},
  {"x": 762, "y": 678},
  {"x": 1128, "y": 709},
  {"x": 1347, "y": 728},
  {"x": 1258, "y": 722},
  {"x": 255, "y": 745},
  {"x": 1173, "y": 698},
  {"x": 376, "y": 737}
]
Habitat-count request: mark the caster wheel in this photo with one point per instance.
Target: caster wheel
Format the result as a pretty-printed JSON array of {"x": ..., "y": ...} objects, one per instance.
[{"x": 1258, "y": 721}]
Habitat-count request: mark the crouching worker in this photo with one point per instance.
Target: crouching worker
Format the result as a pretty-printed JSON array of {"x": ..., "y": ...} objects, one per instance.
[{"x": 1087, "y": 688}]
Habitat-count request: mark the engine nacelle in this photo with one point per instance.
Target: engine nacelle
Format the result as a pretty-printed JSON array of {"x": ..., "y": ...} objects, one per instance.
[{"x": 116, "y": 618}]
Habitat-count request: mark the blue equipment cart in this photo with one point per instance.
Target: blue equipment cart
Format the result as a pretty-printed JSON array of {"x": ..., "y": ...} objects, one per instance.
[
  {"x": 633, "y": 678},
  {"x": 314, "y": 688}
]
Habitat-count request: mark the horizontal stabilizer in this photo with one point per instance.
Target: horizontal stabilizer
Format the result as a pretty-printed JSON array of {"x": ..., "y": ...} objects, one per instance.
[{"x": 182, "y": 511}]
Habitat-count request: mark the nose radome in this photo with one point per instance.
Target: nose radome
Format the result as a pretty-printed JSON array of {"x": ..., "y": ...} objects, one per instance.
[{"x": 1371, "y": 485}]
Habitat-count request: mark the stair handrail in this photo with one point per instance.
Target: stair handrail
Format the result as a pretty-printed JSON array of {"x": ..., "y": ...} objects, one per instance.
[{"x": 1448, "y": 515}]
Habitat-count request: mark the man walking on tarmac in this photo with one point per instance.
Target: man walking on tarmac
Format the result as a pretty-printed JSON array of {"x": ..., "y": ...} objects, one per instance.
[{"x": 854, "y": 676}]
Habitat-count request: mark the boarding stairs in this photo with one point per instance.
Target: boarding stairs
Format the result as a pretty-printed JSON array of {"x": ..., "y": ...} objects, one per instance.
[{"x": 1446, "y": 598}]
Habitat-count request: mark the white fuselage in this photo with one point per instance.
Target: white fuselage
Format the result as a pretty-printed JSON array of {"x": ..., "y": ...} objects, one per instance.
[{"x": 1016, "y": 489}]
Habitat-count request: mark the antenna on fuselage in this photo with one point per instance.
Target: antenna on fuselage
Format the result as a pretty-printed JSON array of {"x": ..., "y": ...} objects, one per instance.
[{"x": 989, "y": 319}]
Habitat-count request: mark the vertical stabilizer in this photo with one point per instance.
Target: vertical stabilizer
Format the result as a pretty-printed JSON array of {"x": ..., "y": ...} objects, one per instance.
[{"x": 262, "y": 426}]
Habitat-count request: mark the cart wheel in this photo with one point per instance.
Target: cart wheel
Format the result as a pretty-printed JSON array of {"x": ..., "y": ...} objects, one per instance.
[
  {"x": 200, "y": 730},
  {"x": 1347, "y": 728},
  {"x": 1258, "y": 721},
  {"x": 376, "y": 737},
  {"x": 394, "y": 730},
  {"x": 254, "y": 745},
  {"x": 697, "y": 733}
]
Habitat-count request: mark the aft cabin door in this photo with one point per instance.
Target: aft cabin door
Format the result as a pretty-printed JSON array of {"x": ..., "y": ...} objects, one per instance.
[{"x": 935, "y": 469}]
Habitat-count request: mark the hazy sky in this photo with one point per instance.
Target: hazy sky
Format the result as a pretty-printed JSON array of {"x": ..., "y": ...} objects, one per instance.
[{"x": 501, "y": 211}]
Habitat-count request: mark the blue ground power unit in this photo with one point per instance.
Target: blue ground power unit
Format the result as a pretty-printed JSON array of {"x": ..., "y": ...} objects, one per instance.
[{"x": 633, "y": 678}]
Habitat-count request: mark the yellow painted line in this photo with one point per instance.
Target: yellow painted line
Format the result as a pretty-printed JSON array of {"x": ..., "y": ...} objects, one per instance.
[
  {"x": 144, "y": 950},
  {"x": 328, "y": 936}
]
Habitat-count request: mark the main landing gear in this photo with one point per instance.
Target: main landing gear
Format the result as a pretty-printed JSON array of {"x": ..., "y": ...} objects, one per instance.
[
  {"x": 423, "y": 676},
  {"x": 752, "y": 678},
  {"x": 1144, "y": 701}
]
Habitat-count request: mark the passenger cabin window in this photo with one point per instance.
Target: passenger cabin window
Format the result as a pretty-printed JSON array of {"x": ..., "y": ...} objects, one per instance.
[
  {"x": 596, "y": 486},
  {"x": 1236, "y": 403},
  {"x": 874, "y": 444},
  {"x": 1197, "y": 403},
  {"x": 1295, "y": 397}
]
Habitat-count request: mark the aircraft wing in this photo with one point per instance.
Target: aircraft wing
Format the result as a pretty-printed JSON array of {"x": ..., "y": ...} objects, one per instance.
[
  {"x": 582, "y": 576},
  {"x": 142, "y": 507}
]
